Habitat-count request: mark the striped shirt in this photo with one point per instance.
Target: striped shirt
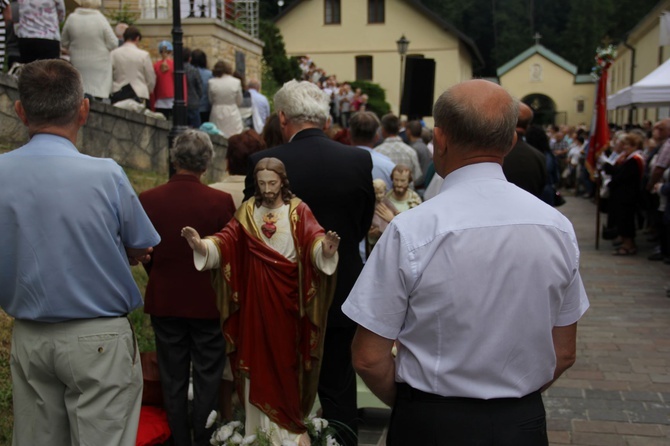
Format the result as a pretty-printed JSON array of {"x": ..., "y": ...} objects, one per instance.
[{"x": 4, "y": 4}]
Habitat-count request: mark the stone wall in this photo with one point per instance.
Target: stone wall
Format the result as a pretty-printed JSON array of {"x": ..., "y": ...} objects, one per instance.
[
  {"x": 219, "y": 41},
  {"x": 132, "y": 139}
]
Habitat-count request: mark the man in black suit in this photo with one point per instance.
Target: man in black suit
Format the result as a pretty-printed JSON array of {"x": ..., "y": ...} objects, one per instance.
[
  {"x": 524, "y": 165},
  {"x": 336, "y": 183}
]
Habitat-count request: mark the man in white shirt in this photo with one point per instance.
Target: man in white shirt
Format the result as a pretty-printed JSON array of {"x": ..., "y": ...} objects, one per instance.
[
  {"x": 480, "y": 290},
  {"x": 131, "y": 65}
]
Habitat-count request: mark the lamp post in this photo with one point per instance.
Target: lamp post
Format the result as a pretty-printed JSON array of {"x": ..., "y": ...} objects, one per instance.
[
  {"x": 179, "y": 107},
  {"x": 402, "y": 43}
]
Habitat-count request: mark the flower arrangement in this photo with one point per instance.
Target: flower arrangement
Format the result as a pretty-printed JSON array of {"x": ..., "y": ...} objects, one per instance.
[
  {"x": 232, "y": 434},
  {"x": 604, "y": 58}
]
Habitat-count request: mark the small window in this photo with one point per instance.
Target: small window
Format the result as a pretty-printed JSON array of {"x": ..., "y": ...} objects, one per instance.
[
  {"x": 332, "y": 12},
  {"x": 363, "y": 68},
  {"x": 375, "y": 11},
  {"x": 580, "y": 105}
]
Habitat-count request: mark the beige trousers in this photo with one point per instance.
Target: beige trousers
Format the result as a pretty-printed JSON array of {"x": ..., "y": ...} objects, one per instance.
[{"x": 76, "y": 383}]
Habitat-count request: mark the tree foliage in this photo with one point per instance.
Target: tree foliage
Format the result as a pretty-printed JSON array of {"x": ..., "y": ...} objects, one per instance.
[
  {"x": 572, "y": 29},
  {"x": 376, "y": 97},
  {"x": 282, "y": 67}
]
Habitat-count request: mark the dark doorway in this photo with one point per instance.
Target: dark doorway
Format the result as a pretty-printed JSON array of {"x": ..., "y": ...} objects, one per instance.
[{"x": 544, "y": 108}]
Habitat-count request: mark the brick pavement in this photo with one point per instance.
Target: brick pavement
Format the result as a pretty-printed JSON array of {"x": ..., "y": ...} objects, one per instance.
[{"x": 618, "y": 391}]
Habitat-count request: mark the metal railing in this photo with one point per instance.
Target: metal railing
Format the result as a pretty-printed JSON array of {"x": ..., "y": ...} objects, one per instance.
[{"x": 242, "y": 14}]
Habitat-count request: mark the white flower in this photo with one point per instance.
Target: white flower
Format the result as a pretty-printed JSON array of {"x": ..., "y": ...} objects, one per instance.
[
  {"x": 236, "y": 438},
  {"x": 234, "y": 424},
  {"x": 330, "y": 441},
  {"x": 211, "y": 419},
  {"x": 249, "y": 440},
  {"x": 319, "y": 424},
  {"x": 224, "y": 433}
]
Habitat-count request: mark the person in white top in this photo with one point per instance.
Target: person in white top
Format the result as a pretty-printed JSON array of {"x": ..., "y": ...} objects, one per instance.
[
  {"x": 225, "y": 95},
  {"x": 132, "y": 65},
  {"x": 479, "y": 288},
  {"x": 89, "y": 38}
]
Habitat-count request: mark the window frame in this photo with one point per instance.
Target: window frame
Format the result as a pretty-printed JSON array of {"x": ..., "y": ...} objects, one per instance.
[
  {"x": 329, "y": 7},
  {"x": 359, "y": 68},
  {"x": 377, "y": 5}
]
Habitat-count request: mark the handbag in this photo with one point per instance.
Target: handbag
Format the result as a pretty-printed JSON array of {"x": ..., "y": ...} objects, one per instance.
[
  {"x": 126, "y": 92},
  {"x": 558, "y": 199}
]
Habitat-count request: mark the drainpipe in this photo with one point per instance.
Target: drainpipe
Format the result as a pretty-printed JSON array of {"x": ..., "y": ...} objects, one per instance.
[{"x": 632, "y": 75}]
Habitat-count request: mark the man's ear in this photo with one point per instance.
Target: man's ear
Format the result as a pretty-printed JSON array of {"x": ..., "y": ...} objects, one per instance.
[
  {"x": 21, "y": 113},
  {"x": 84, "y": 110},
  {"x": 326, "y": 126},
  {"x": 282, "y": 119},
  {"x": 439, "y": 141}
]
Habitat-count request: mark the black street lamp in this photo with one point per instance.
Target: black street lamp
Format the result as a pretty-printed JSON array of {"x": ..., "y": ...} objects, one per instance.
[
  {"x": 403, "y": 44},
  {"x": 179, "y": 120}
]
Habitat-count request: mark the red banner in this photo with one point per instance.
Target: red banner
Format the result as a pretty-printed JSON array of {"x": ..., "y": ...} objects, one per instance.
[{"x": 600, "y": 137}]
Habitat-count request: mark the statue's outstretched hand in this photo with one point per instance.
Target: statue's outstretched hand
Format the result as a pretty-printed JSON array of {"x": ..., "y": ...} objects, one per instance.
[
  {"x": 194, "y": 240},
  {"x": 330, "y": 244}
]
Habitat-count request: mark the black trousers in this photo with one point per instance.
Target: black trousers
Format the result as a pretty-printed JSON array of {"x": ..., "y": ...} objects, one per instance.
[
  {"x": 180, "y": 342},
  {"x": 420, "y": 418},
  {"x": 337, "y": 384}
]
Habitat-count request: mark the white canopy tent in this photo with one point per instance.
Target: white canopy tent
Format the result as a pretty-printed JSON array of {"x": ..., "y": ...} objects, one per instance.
[{"x": 653, "y": 90}]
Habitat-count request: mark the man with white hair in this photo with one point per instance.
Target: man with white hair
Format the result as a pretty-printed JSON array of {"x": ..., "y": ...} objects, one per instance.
[{"x": 336, "y": 183}]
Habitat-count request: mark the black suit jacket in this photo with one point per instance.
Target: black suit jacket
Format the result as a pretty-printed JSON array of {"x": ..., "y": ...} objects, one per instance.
[
  {"x": 526, "y": 167},
  {"x": 336, "y": 183}
]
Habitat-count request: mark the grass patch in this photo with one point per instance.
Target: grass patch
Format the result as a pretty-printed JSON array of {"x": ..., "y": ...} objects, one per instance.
[{"x": 141, "y": 181}]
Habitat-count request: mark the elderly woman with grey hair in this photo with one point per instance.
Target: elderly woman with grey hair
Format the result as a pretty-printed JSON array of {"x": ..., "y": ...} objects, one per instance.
[
  {"x": 180, "y": 299},
  {"x": 89, "y": 38}
]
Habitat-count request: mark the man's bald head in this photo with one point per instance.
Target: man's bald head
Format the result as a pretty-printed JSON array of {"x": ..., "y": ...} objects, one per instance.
[
  {"x": 661, "y": 130},
  {"x": 477, "y": 116},
  {"x": 525, "y": 118}
]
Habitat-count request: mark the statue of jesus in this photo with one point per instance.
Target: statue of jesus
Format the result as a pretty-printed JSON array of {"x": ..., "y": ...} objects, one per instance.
[{"x": 274, "y": 268}]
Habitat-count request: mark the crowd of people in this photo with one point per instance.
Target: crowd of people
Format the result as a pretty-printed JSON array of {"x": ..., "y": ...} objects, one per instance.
[
  {"x": 115, "y": 69},
  {"x": 333, "y": 253}
]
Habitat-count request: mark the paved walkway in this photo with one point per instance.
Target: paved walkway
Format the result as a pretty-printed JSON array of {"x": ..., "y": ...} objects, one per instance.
[{"x": 618, "y": 391}]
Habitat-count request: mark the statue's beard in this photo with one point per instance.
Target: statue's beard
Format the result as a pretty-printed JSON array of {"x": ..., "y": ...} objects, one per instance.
[{"x": 270, "y": 199}]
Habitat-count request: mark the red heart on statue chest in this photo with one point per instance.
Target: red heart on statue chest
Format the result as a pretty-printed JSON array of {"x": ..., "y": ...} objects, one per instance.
[{"x": 268, "y": 229}]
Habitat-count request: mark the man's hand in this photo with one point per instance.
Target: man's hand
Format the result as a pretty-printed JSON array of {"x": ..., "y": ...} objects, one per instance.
[
  {"x": 330, "y": 244},
  {"x": 138, "y": 255},
  {"x": 194, "y": 240}
]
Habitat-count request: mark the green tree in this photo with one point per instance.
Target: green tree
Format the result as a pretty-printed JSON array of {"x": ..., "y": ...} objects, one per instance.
[
  {"x": 282, "y": 67},
  {"x": 511, "y": 27},
  {"x": 376, "y": 97}
]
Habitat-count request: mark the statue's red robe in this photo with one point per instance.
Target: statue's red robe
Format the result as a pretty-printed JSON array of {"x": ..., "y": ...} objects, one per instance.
[{"x": 273, "y": 313}]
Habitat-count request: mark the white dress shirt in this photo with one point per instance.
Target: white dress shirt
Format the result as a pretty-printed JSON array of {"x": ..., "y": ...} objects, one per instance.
[{"x": 471, "y": 283}]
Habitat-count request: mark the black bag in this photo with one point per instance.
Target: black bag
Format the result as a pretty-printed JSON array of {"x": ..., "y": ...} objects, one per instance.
[
  {"x": 558, "y": 200},
  {"x": 126, "y": 92}
]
